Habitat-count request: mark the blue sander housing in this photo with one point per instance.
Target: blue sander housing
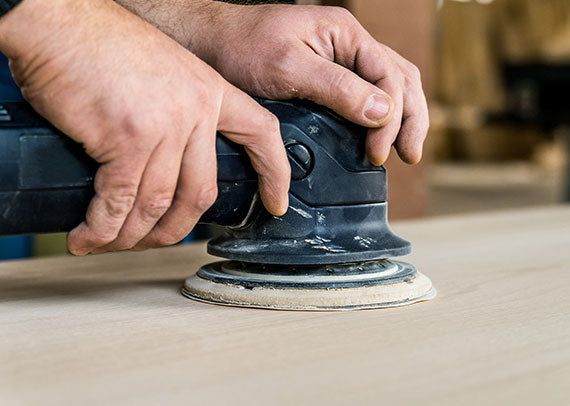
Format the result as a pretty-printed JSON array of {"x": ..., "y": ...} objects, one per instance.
[{"x": 330, "y": 251}]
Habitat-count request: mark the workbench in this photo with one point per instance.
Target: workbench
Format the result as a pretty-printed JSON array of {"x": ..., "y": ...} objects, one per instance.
[{"x": 114, "y": 328}]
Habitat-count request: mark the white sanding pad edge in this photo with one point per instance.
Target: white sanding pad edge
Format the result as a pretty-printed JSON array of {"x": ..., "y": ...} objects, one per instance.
[{"x": 411, "y": 291}]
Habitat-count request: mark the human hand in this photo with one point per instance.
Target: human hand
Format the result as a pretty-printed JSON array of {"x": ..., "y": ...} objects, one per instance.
[
  {"x": 313, "y": 52},
  {"x": 146, "y": 109}
]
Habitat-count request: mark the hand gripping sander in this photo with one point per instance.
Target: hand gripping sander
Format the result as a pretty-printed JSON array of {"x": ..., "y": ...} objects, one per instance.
[{"x": 330, "y": 251}]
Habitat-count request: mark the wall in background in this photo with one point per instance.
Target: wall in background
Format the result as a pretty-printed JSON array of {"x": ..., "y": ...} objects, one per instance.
[{"x": 408, "y": 27}]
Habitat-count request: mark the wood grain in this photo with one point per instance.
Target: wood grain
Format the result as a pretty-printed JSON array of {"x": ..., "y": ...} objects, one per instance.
[{"x": 113, "y": 329}]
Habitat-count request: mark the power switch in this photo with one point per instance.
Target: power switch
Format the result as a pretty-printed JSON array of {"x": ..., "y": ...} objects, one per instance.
[{"x": 300, "y": 159}]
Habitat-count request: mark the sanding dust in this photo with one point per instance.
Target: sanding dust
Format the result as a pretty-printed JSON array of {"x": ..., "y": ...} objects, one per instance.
[
  {"x": 323, "y": 244},
  {"x": 301, "y": 212},
  {"x": 398, "y": 294}
]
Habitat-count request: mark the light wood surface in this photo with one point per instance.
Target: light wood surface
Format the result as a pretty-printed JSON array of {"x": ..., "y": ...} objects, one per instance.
[{"x": 114, "y": 329}]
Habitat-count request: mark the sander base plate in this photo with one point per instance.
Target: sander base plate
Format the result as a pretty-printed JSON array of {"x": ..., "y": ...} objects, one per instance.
[{"x": 350, "y": 286}]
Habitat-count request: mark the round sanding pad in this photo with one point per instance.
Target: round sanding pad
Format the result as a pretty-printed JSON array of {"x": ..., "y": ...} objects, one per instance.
[{"x": 364, "y": 285}]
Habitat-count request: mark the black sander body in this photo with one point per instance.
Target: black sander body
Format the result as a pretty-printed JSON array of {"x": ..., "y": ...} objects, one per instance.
[{"x": 330, "y": 251}]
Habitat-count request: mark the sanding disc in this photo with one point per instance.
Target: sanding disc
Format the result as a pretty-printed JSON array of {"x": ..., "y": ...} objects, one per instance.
[{"x": 364, "y": 285}]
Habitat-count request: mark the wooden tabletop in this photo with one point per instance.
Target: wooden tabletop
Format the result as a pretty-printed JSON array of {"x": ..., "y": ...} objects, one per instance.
[{"x": 114, "y": 329}]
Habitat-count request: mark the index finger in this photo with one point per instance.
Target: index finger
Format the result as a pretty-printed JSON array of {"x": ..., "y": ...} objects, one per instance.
[
  {"x": 412, "y": 131},
  {"x": 116, "y": 188},
  {"x": 415, "y": 119},
  {"x": 247, "y": 123}
]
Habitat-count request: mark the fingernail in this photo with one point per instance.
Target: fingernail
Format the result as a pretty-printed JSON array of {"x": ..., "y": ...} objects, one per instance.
[
  {"x": 377, "y": 162},
  {"x": 377, "y": 108},
  {"x": 283, "y": 211},
  {"x": 285, "y": 206},
  {"x": 377, "y": 159},
  {"x": 79, "y": 252}
]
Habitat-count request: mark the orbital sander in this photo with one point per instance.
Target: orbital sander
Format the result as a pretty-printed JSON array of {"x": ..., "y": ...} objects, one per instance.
[{"x": 332, "y": 250}]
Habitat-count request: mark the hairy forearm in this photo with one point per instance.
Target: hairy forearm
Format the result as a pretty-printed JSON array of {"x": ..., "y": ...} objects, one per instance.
[{"x": 192, "y": 23}]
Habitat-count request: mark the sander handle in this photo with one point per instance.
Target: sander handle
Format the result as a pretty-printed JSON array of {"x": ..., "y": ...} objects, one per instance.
[{"x": 46, "y": 179}]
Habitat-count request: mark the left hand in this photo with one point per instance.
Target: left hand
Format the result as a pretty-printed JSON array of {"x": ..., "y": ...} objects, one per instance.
[{"x": 310, "y": 52}]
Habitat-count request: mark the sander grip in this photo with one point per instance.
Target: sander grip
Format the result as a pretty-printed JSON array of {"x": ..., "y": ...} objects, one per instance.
[{"x": 46, "y": 179}]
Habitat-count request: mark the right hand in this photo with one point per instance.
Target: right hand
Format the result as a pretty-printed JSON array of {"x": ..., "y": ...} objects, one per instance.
[
  {"x": 323, "y": 54},
  {"x": 143, "y": 107}
]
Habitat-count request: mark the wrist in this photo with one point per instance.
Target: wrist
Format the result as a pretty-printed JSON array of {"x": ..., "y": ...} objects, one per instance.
[
  {"x": 7, "y": 5},
  {"x": 195, "y": 24},
  {"x": 214, "y": 31},
  {"x": 30, "y": 25},
  {"x": 204, "y": 26}
]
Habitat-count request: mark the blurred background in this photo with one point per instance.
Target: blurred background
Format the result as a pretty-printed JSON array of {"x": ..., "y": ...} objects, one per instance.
[{"x": 497, "y": 76}]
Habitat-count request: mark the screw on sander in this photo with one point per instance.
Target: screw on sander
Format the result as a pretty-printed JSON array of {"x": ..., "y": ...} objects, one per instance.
[{"x": 335, "y": 231}]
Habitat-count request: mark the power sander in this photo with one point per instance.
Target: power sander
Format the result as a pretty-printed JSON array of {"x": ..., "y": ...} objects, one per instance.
[{"x": 330, "y": 251}]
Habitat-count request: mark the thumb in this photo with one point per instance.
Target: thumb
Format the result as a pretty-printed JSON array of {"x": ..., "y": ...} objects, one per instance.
[{"x": 343, "y": 91}]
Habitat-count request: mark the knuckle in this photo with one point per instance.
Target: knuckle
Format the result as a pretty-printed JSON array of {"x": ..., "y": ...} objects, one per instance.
[
  {"x": 100, "y": 239},
  {"x": 203, "y": 94},
  {"x": 394, "y": 74},
  {"x": 341, "y": 82},
  {"x": 118, "y": 205},
  {"x": 271, "y": 123},
  {"x": 344, "y": 87},
  {"x": 413, "y": 75},
  {"x": 415, "y": 71},
  {"x": 383, "y": 54},
  {"x": 204, "y": 196},
  {"x": 282, "y": 70},
  {"x": 340, "y": 23},
  {"x": 342, "y": 14},
  {"x": 155, "y": 207},
  {"x": 122, "y": 245},
  {"x": 136, "y": 135},
  {"x": 135, "y": 125}
]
